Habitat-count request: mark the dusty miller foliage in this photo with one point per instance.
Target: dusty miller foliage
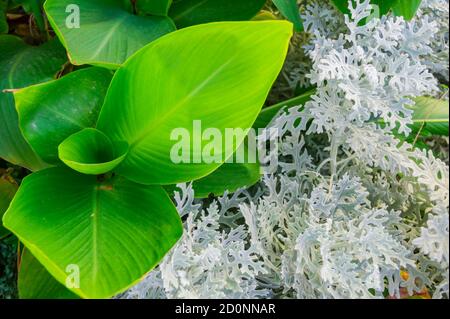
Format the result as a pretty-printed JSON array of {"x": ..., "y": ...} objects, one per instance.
[{"x": 350, "y": 207}]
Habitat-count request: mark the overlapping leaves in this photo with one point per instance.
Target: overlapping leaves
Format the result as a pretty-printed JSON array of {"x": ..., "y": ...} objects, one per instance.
[
  {"x": 106, "y": 29},
  {"x": 86, "y": 219},
  {"x": 20, "y": 66}
]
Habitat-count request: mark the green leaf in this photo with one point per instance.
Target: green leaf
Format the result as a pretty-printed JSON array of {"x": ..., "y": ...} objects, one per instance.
[
  {"x": 267, "y": 114},
  {"x": 3, "y": 22},
  {"x": 155, "y": 7},
  {"x": 191, "y": 12},
  {"x": 51, "y": 112},
  {"x": 219, "y": 74},
  {"x": 20, "y": 66},
  {"x": 431, "y": 116},
  {"x": 92, "y": 152},
  {"x": 106, "y": 33},
  {"x": 406, "y": 8},
  {"x": 229, "y": 177},
  {"x": 112, "y": 231},
  {"x": 7, "y": 191},
  {"x": 289, "y": 9},
  {"x": 35, "y": 282}
]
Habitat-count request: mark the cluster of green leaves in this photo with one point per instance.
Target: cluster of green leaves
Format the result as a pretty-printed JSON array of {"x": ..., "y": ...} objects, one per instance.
[{"x": 98, "y": 139}]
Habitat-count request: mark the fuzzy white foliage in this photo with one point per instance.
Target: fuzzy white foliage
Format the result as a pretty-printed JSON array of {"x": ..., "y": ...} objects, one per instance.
[
  {"x": 369, "y": 72},
  {"x": 149, "y": 288},
  {"x": 322, "y": 17},
  {"x": 366, "y": 142},
  {"x": 438, "y": 11},
  {"x": 347, "y": 258},
  {"x": 210, "y": 263}
]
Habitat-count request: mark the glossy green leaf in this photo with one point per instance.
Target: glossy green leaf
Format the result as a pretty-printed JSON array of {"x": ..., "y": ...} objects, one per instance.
[
  {"x": 219, "y": 74},
  {"x": 20, "y": 66},
  {"x": 92, "y": 152},
  {"x": 106, "y": 33},
  {"x": 155, "y": 7},
  {"x": 51, "y": 112},
  {"x": 406, "y": 8},
  {"x": 431, "y": 116},
  {"x": 289, "y": 9},
  {"x": 7, "y": 191},
  {"x": 267, "y": 114},
  {"x": 228, "y": 177},
  {"x": 109, "y": 232},
  {"x": 35, "y": 282},
  {"x": 34, "y": 7},
  {"x": 3, "y": 22},
  {"x": 186, "y": 13}
]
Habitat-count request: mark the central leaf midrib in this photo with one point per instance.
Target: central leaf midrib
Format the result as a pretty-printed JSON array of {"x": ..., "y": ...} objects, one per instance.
[
  {"x": 108, "y": 37},
  {"x": 156, "y": 125},
  {"x": 16, "y": 63}
]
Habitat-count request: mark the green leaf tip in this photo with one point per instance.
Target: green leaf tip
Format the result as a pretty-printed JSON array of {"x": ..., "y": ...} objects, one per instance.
[{"x": 92, "y": 152}]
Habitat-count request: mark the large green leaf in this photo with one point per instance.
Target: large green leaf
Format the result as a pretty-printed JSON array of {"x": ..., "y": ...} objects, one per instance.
[
  {"x": 289, "y": 9},
  {"x": 51, "y": 112},
  {"x": 267, "y": 114},
  {"x": 219, "y": 74},
  {"x": 406, "y": 8},
  {"x": 20, "y": 66},
  {"x": 230, "y": 176},
  {"x": 7, "y": 191},
  {"x": 35, "y": 282},
  {"x": 431, "y": 116},
  {"x": 156, "y": 7},
  {"x": 112, "y": 231},
  {"x": 191, "y": 12},
  {"x": 107, "y": 34},
  {"x": 92, "y": 152}
]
